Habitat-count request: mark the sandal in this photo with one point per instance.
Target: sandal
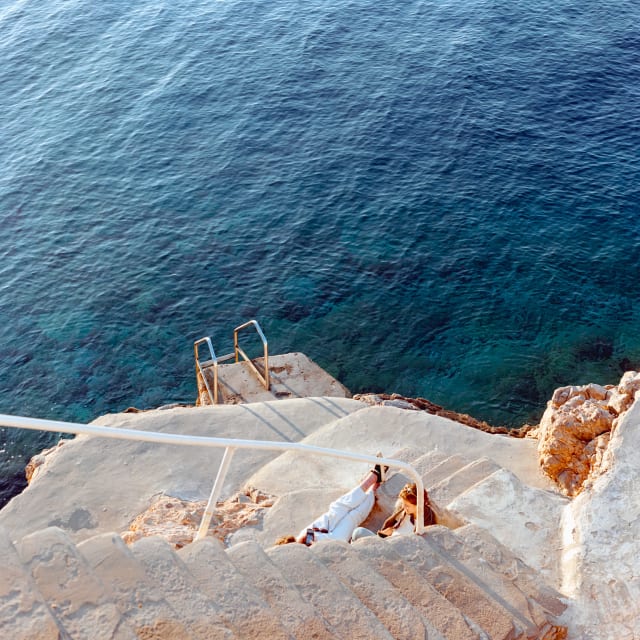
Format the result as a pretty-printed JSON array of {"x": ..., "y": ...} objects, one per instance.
[{"x": 380, "y": 470}]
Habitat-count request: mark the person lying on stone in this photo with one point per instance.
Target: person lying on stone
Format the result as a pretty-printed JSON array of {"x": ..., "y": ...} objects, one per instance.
[
  {"x": 344, "y": 514},
  {"x": 402, "y": 520}
]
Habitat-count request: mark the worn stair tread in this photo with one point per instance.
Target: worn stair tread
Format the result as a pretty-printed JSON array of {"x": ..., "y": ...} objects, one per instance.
[
  {"x": 464, "y": 478},
  {"x": 395, "y": 612},
  {"x": 462, "y": 592},
  {"x": 342, "y": 610},
  {"x": 444, "y": 469},
  {"x": 180, "y": 589},
  {"x": 465, "y": 558},
  {"x": 242, "y": 607},
  {"x": 427, "y": 461},
  {"x": 443, "y": 615},
  {"x": 297, "y": 615},
  {"x": 72, "y": 590},
  {"x": 518, "y": 515},
  {"x": 137, "y": 597},
  {"x": 24, "y": 615},
  {"x": 513, "y": 568}
]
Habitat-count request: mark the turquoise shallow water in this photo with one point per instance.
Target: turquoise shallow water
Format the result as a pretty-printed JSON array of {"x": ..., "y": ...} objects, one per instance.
[{"x": 433, "y": 198}]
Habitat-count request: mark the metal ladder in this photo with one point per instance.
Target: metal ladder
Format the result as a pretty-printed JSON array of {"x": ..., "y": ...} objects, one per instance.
[{"x": 214, "y": 361}]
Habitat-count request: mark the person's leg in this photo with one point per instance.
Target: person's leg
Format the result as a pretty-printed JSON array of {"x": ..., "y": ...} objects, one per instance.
[
  {"x": 361, "y": 532},
  {"x": 348, "y": 511},
  {"x": 343, "y": 529}
]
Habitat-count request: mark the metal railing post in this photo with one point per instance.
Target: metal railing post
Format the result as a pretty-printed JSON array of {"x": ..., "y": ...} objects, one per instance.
[
  {"x": 215, "y": 493},
  {"x": 420, "y": 505},
  {"x": 266, "y": 378},
  {"x": 212, "y": 396}
]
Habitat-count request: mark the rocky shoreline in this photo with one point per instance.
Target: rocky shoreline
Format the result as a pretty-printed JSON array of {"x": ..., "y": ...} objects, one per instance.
[{"x": 561, "y": 495}]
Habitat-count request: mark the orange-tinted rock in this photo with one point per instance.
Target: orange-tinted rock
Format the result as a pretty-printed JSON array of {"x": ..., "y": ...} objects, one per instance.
[
  {"x": 574, "y": 431},
  {"x": 177, "y": 521},
  {"x": 34, "y": 465}
]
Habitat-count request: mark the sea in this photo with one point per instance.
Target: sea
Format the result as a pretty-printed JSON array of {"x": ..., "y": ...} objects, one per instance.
[{"x": 429, "y": 197}]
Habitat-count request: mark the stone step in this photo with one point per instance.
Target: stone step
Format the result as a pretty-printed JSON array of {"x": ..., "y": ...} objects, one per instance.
[
  {"x": 490, "y": 579},
  {"x": 444, "y": 616},
  {"x": 427, "y": 462},
  {"x": 73, "y": 592},
  {"x": 298, "y": 616},
  {"x": 181, "y": 589},
  {"x": 444, "y": 491},
  {"x": 395, "y": 612},
  {"x": 24, "y": 615},
  {"x": 242, "y": 607},
  {"x": 443, "y": 469},
  {"x": 345, "y": 614},
  {"x": 137, "y": 597},
  {"x": 456, "y": 586},
  {"x": 478, "y": 541},
  {"x": 518, "y": 516}
]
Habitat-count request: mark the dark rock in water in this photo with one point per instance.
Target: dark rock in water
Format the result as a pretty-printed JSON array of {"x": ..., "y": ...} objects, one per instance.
[
  {"x": 626, "y": 364},
  {"x": 595, "y": 350},
  {"x": 293, "y": 311}
]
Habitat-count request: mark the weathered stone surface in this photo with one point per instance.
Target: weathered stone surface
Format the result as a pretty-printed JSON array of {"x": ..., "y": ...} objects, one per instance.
[
  {"x": 386, "y": 429},
  {"x": 443, "y": 615},
  {"x": 493, "y": 578},
  {"x": 376, "y": 592},
  {"x": 202, "y": 616},
  {"x": 35, "y": 465},
  {"x": 523, "y": 518},
  {"x": 573, "y": 432},
  {"x": 422, "y": 404},
  {"x": 241, "y": 606},
  {"x": 475, "y": 603},
  {"x": 297, "y": 615},
  {"x": 138, "y": 598},
  {"x": 457, "y": 483},
  {"x": 95, "y": 485},
  {"x": 477, "y": 540},
  {"x": 341, "y": 609},
  {"x": 177, "y": 521},
  {"x": 70, "y": 587},
  {"x": 601, "y": 552},
  {"x": 24, "y": 614},
  {"x": 292, "y": 375}
]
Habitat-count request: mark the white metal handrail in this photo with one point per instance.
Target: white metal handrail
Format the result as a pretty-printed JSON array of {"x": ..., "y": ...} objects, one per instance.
[{"x": 230, "y": 445}]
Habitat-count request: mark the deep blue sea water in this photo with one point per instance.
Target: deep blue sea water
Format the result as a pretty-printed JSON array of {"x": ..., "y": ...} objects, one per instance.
[{"x": 427, "y": 197}]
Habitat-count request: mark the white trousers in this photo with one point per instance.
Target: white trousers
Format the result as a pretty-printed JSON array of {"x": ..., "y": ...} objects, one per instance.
[{"x": 343, "y": 516}]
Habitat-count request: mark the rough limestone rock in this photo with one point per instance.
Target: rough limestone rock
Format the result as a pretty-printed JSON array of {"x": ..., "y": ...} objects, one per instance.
[
  {"x": 601, "y": 530},
  {"x": 575, "y": 430},
  {"x": 35, "y": 465},
  {"x": 177, "y": 521}
]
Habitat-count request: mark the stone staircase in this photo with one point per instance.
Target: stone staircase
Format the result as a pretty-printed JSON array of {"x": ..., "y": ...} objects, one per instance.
[{"x": 456, "y": 582}]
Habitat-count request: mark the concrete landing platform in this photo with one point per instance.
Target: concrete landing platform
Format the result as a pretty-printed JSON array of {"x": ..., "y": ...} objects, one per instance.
[{"x": 293, "y": 375}]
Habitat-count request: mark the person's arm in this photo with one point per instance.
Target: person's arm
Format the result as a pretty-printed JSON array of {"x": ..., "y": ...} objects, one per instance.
[{"x": 390, "y": 523}]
